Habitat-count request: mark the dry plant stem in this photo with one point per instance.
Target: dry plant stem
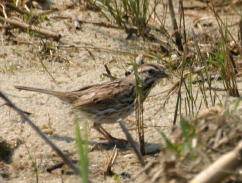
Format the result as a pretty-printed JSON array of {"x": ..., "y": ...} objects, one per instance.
[
  {"x": 183, "y": 21},
  {"x": 219, "y": 20},
  {"x": 15, "y": 8},
  {"x": 107, "y": 50},
  {"x": 111, "y": 161},
  {"x": 6, "y": 104},
  {"x": 178, "y": 101},
  {"x": 204, "y": 63},
  {"x": 231, "y": 70},
  {"x": 41, "y": 134},
  {"x": 26, "y": 26},
  {"x": 177, "y": 87},
  {"x": 108, "y": 74},
  {"x": 175, "y": 27},
  {"x": 131, "y": 141},
  {"x": 45, "y": 68},
  {"x": 107, "y": 70},
  {"x": 174, "y": 87},
  {"x": 222, "y": 168},
  {"x": 140, "y": 124},
  {"x": 139, "y": 109}
]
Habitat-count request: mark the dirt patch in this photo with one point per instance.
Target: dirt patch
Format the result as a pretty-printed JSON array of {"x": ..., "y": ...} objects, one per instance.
[{"x": 26, "y": 62}]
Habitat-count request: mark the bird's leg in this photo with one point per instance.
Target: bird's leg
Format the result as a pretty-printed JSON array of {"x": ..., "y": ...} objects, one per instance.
[{"x": 107, "y": 135}]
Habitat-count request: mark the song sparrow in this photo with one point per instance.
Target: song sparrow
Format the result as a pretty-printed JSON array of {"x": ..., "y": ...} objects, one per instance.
[{"x": 109, "y": 101}]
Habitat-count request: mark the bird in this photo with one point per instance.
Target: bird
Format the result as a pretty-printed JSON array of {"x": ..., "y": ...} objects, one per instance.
[{"x": 109, "y": 101}]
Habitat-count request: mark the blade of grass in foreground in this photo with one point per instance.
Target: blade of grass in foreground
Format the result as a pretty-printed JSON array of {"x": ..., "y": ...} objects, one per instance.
[
  {"x": 139, "y": 109},
  {"x": 82, "y": 148}
]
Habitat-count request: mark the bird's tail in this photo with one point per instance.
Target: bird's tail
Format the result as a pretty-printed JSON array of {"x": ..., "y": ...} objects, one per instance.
[{"x": 49, "y": 92}]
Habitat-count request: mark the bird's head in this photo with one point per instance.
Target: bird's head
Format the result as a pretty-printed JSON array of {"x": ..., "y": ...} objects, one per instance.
[
  {"x": 149, "y": 75},
  {"x": 151, "y": 72}
]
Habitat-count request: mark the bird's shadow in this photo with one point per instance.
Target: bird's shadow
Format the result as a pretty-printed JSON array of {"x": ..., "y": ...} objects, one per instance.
[
  {"x": 62, "y": 138},
  {"x": 150, "y": 148}
]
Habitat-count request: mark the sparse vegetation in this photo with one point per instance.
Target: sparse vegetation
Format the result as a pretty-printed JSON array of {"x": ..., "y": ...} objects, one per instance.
[
  {"x": 131, "y": 15},
  {"x": 201, "y": 51}
]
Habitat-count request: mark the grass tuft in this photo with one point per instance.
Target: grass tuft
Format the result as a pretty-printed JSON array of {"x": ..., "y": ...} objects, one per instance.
[{"x": 82, "y": 147}]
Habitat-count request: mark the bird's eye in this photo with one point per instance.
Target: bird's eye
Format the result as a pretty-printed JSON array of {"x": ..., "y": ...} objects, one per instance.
[{"x": 151, "y": 71}]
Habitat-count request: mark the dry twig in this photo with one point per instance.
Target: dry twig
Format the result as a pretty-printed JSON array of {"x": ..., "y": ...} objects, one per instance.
[
  {"x": 26, "y": 26},
  {"x": 110, "y": 162},
  {"x": 121, "y": 52},
  {"x": 108, "y": 73},
  {"x": 131, "y": 141},
  {"x": 222, "y": 168}
]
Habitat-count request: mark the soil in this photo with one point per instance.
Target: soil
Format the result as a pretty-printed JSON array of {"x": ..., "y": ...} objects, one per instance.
[{"x": 72, "y": 68}]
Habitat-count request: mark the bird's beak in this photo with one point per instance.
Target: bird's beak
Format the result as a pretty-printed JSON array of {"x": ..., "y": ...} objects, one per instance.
[{"x": 164, "y": 75}]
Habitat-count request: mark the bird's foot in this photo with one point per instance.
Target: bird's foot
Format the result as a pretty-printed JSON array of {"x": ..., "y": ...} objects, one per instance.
[{"x": 120, "y": 143}]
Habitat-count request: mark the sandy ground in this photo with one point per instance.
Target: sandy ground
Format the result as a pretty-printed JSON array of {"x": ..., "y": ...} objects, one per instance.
[{"x": 20, "y": 65}]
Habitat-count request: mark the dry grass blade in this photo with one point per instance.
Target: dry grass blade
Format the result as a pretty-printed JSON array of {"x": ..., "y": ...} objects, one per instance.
[
  {"x": 140, "y": 124},
  {"x": 131, "y": 141},
  {"x": 41, "y": 134},
  {"x": 228, "y": 67},
  {"x": 26, "y": 26},
  {"x": 182, "y": 21},
  {"x": 45, "y": 68},
  {"x": 107, "y": 50},
  {"x": 175, "y": 86},
  {"x": 110, "y": 162},
  {"x": 108, "y": 73},
  {"x": 15, "y": 8}
]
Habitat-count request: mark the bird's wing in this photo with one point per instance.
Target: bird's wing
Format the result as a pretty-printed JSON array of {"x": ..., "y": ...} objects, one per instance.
[{"x": 103, "y": 95}]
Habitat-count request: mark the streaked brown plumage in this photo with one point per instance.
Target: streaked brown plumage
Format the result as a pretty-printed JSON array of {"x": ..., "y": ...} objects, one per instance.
[{"x": 109, "y": 101}]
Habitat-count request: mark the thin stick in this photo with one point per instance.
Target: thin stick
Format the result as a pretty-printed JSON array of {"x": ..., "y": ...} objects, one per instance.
[
  {"x": 108, "y": 74},
  {"x": 131, "y": 141},
  {"x": 110, "y": 162},
  {"x": 15, "y": 8},
  {"x": 222, "y": 168},
  {"x": 26, "y": 26},
  {"x": 175, "y": 27},
  {"x": 45, "y": 68},
  {"x": 41, "y": 134}
]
